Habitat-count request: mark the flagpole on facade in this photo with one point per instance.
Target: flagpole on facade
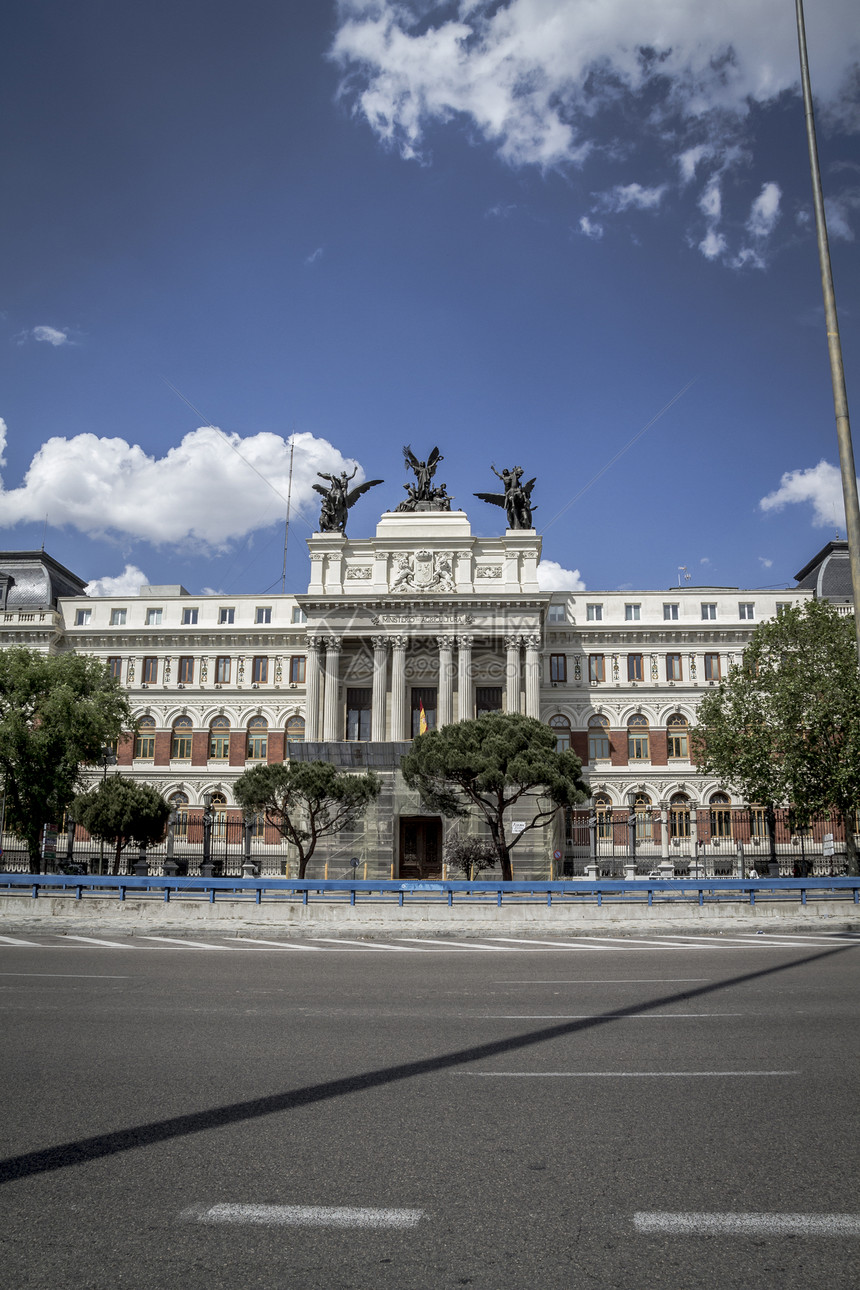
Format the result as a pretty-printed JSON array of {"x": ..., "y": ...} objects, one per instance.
[{"x": 834, "y": 345}]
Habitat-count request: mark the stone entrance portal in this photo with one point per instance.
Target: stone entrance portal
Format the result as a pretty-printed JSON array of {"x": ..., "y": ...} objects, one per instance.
[{"x": 420, "y": 847}]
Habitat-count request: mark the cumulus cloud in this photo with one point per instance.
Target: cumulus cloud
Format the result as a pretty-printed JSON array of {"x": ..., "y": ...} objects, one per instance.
[
  {"x": 765, "y": 562},
  {"x": 127, "y": 583},
  {"x": 209, "y": 490},
  {"x": 590, "y": 228},
  {"x": 624, "y": 197},
  {"x": 819, "y": 485},
  {"x": 47, "y": 335},
  {"x": 712, "y": 245},
  {"x": 765, "y": 211},
  {"x": 545, "y": 82},
  {"x": 554, "y": 577}
]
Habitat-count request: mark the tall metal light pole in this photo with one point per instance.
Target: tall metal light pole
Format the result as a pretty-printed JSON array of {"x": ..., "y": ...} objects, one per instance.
[{"x": 837, "y": 371}]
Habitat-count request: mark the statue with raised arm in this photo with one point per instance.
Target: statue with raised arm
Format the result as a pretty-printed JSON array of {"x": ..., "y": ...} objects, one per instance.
[
  {"x": 338, "y": 498},
  {"x": 424, "y": 472},
  {"x": 516, "y": 499}
]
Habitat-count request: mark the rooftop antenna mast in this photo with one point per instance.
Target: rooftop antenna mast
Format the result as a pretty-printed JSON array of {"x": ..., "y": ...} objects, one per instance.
[{"x": 287, "y": 524}]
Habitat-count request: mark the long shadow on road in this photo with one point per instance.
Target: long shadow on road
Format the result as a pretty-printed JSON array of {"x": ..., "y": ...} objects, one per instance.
[{"x": 67, "y": 1154}]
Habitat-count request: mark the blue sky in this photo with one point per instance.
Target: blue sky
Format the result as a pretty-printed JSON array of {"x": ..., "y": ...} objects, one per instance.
[{"x": 570, "y": 236}]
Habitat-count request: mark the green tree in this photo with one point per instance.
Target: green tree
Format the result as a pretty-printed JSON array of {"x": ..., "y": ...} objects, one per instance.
[
  {"x": 470, "y": 855},
  {"x": 306, "y": 801},
  {"x": 490, "y": 764},
  {"x": 120, "y": 811},
  {"x": 784, "y": 727},
  {"x": 56, "y": 715}
]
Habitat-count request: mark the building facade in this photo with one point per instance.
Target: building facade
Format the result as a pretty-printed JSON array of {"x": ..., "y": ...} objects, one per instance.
[{"x": 424, "y": 622}]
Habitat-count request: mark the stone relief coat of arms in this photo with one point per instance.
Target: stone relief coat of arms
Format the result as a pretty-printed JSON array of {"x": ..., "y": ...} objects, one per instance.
[{"x": 423, "y": 571}]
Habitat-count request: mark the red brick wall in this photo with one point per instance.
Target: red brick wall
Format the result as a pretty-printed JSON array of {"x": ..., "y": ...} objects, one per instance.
[
  {"x": 200, "y": 748},
  {"x": 579, "y": 744},
  {"x": 659, "y": 748},
  {"x": 238, "y": 747},
  {"x": 163, "y": 740},
  {"x": 275, "y": 746},
  {"x": 618, "y": 747},
  {"x": 125, "y": 750}
]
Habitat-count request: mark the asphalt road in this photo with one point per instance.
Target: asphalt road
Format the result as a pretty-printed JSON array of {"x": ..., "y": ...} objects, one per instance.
[{"x": 431, "y": 1117}]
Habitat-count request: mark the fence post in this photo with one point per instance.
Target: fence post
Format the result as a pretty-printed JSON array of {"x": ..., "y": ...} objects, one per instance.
[
  {"x": 770, "y": 817},
  {"x": 70, "y": 842},
  {"x": 206, "y": 868},
  {"x": 171, "y": 868}
]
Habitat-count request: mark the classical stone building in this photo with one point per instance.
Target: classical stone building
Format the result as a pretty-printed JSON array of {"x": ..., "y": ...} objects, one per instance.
[{"x": 427, "y": 620}]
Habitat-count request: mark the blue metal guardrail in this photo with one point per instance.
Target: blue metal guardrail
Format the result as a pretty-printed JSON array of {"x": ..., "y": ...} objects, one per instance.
[{"x": 399, "y": 893}]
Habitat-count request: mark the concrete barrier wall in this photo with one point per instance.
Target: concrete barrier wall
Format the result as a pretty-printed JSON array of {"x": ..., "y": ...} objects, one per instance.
[{"x": 241, "y": 918}]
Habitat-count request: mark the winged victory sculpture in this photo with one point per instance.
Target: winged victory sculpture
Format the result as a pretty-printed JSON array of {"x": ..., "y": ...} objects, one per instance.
[
  {"x": 516, "y": 499},
  {"x": 422, "y": 496},
  {"x": 338, "y": 498}
]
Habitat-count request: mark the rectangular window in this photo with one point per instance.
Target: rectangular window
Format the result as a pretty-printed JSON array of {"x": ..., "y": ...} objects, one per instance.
[
  {"x": 670, "y": 613},
  {"x": 557, "y": 667},
  {"x": 115, "y": 667},
  {"x": 596, "y": 668},
  {"x": 262, "y": 614},
  {"x": 186, "y": 671},
  {"x": 226, "y": 617},
  {"x": 631, "y": 613},
  {"x": 594, "y": 613},
  {"x": 117, "y": 617},
  {"x": 712, "y": 667},
  {"x": 488, "y": 698},
  {"x": 298, "y": 615},
  {"x": 222, "y": 671},
  {"x": 709, "y": 612},
  {"x": 746, "y": 610},
  {"x": 673, "y": 667},
  {"x": 297, "y": 669},
  {"x": 557, "y": 614},
  {"x": 82, "y": 617},
  {"x": 358, "y": 713},
  {"x": 153, "y": 617},
  {"x": 634, "y": 667},
  {"x": 423, "y": 701},
  {"x": 149, "y": 671},
  {"x": 260, "y": 671},
  {"x": 781, "y": 606},
  {"x": 189, "y": 618}
]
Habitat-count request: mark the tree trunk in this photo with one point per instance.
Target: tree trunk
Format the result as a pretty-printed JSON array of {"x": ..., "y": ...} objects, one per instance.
[
  {"x": 850, "y": 846},
  {"x": 502, "y": 851}
]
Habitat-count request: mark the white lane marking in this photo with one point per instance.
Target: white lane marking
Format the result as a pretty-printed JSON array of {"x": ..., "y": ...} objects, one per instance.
[
  {"x": 612, "y": 980},
  {"x": 367, "y": 945},
  {"x": 69, "y": 976},
  {"x": 608, "y": 1016},
  {"x": 194, "y": 945},
  {"x": 456, "y": 945},
  {"x": 110, "y": 945},
  {"x": 616, "y": 1074},
  {"x": 16, "y": 940},
  {"x": 768, "y": 941},
  {"x": 748, "y": 1224},
  {"x": 304, "y": 1215},
  {"x": 281, "y": 945},
  {"x": 653, "y": 943},
  {"x": 558, "y": 945}
]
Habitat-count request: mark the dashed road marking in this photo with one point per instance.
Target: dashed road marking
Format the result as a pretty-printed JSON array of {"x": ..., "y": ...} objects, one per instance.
[
  {"x": 110, "y": 945},
  {"x": 16, "y": 940},
  {"x": 303, "y": 1216},
  {"x": 194, "y": 945},
  {"x": 651, "y": 1224},
  {"x": 279, "y": 945}
]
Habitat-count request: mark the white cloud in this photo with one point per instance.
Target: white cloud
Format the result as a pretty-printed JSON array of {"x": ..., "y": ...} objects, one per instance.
[
  {"x": 712, "y": 245},
  {"x": 542, "y": 81},
  {"x": 48, "y": 335},
  {"x": 127, "y": 583},
  {"x": 553, "y": 577},
  {"x": 765, "y": 562},
  {"x": 200, "y": 492},
  {"x": 821, "y": 485},
  {"x": 840, "y": 211},
  {"x": 625, "y": 197},
  {"x": 710, "y": 202},
  {"x": 314, "y": 256},
  {"x": 764, "y": 211},
  {"x": 590, "y": 229}
]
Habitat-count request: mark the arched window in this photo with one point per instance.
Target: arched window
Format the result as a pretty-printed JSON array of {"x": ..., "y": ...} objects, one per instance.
[
  {"x": 219, "y": 739},
  {"x": 598, "y": 737},
  {"x": 603, "y": 811},
  {"x": 144, "y": 739},
  {"x": 679, "y": 816},
  {"x": 219, "y": 824},
  {"x": 296, "y": 730},
  {"x": 721, "y": 816},
  {"x": 642, "y": 808},
  {"x": 179, "y": 805},
  {"x": 638, "y": 744},
  {"x": 180, "y": 744},
  {"x": 561, "y": 729},
  {"x": 677, "y": 736},
  {"x": 258, "y": 738}
]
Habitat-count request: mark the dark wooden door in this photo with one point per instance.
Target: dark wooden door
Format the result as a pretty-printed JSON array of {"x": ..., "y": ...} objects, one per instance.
[{"x": 420, "y": 848}]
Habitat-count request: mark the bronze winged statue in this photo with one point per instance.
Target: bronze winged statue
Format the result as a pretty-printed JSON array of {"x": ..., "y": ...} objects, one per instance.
[
  {"x": 516, "y": 499},
  {"x": 424, "y": 472},
  {"x": 337, "y": 500}
]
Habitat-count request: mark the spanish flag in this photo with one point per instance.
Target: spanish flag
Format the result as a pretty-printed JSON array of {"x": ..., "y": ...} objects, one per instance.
[{"x": 422, "y": 718}]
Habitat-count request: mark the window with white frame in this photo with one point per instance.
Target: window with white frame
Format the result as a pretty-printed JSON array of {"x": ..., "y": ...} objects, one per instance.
[
  {"x": 638, "y": 743},
  {"x": 594, "y": 613},
  {"x": 557, "y": 614},
  {"x": 709, "y": 611},
  {"x": 226, "y": 617},
  {"x": 263, "y": 614},
  {"x": 632, "y": 613},
  {"x": 746, "y": 610},
  {"x": 298, "y": 615},
  {"x": 561, "y": 729},
  {"x": 189, "y": 617},
  {"x": 83, "y": 617},
  {"x": 670, "y": 613},
  {"x": 598, "y": 737},
  {"x": 153, "y": 617},
  {"x": 117, "y": 617}
]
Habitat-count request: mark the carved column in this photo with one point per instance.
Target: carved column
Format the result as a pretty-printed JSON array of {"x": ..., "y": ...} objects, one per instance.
[
  {"x": 380, "y": 669},
  {"x": 312, "y": 690},
  {"x": 464, "y": 677},
  {"x": 446, "y": 680},
  {"x": 330, "y": 704},
  {"x": 532, "y": 644},
  {"x": 398, "y": 688},
  {"x": 512, "y": 673}
]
